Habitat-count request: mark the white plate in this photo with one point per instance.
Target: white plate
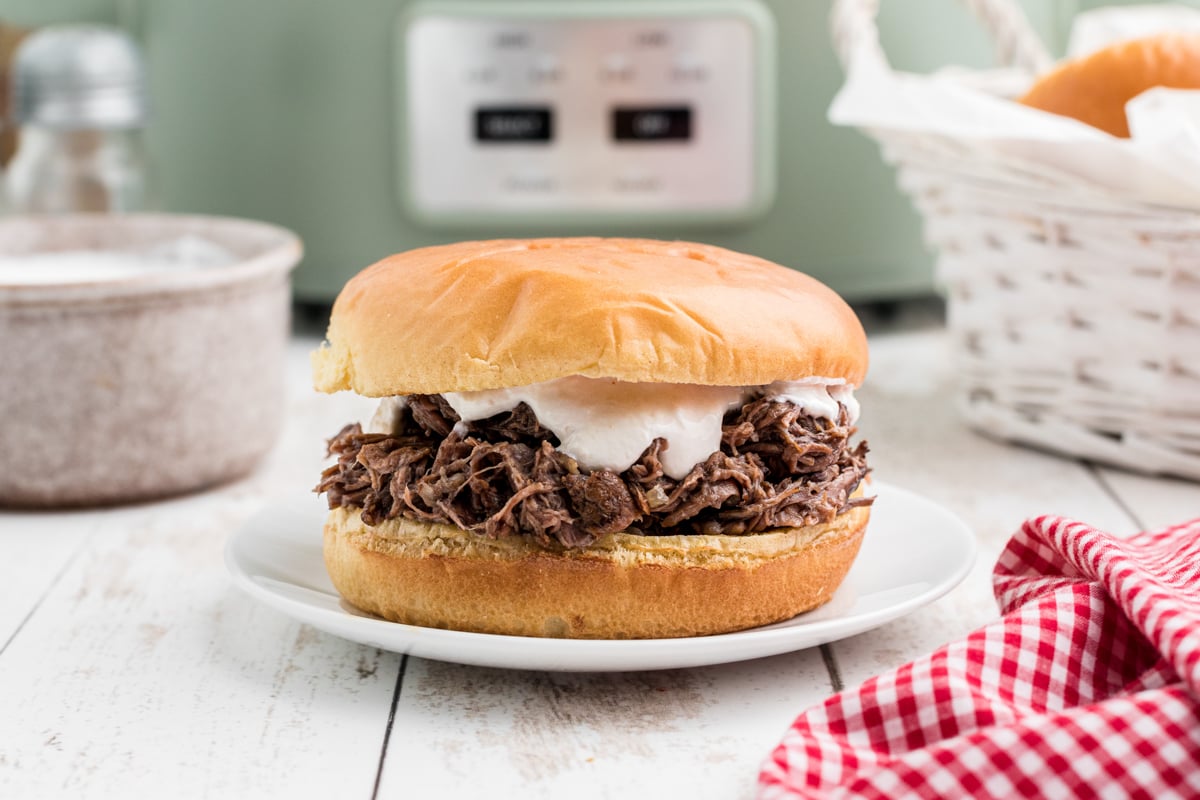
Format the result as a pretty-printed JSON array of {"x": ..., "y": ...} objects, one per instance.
[{"x": 914, "y": 552}]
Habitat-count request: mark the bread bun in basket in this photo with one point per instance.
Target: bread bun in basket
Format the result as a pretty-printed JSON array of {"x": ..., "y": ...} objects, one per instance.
[
  {"x": 622, "y": 586},
  {"x": 1095, "y": 88}
]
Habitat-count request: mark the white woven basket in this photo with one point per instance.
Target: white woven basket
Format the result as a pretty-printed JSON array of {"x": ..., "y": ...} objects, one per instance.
[{"x": 1075, "y": 313}]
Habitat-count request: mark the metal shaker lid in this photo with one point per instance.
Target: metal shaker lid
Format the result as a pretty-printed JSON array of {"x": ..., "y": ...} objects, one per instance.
[{"x": 79, "y": 76}]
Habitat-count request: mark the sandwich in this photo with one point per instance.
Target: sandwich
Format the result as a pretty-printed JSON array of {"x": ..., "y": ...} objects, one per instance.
[{"x": 592, "y": 438}]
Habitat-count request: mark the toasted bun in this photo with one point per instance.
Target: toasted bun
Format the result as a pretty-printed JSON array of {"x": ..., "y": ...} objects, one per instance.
[
  {"x": 1095, "y": 89},
  {"x": 622, "y": 587},
  {"x": 488, "y": 315}
]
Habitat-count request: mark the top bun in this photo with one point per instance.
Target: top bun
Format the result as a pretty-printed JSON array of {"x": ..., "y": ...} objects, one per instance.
[
  {"x": 498, "y": 314},
  {"x": 1094, "y": 89}
]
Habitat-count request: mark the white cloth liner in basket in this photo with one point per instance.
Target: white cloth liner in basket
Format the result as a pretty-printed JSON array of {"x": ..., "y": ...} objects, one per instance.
[{"x": 1070, "y": 259}]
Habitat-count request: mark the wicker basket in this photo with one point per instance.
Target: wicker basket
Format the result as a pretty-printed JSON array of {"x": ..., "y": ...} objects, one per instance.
[{"x": 1075, "y": 314}]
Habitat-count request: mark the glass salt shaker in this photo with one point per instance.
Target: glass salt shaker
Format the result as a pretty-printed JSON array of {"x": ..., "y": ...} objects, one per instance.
[{"x": 80, "y": 100}]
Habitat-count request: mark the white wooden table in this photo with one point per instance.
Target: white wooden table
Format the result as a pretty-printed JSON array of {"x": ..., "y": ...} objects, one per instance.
[{"x": 131, "y": 667}]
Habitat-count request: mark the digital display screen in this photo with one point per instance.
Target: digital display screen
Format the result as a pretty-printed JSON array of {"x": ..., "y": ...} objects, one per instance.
[
  {"x": 652, "y": 123},
  {"x": 514, "y": 124}
]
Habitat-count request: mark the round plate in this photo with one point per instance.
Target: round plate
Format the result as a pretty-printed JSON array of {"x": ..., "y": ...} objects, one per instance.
[{"x": 914, "y": 551}]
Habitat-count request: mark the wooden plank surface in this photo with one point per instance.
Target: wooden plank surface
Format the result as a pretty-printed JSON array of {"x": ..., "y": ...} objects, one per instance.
[
  {"x": 143, "y": 673},
  {"x": 134, "y": 666},
  {"x": 1153, "y": 502},
  {"x": 468, "y": 732},
  {"x": 35, "y": 548}
]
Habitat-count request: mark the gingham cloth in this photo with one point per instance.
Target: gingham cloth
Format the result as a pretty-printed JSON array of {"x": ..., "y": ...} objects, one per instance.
[{"x": 1088, "y": 686}]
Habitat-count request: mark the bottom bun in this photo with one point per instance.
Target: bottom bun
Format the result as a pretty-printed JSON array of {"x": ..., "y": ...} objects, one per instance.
[{"x": 623, "y": 586}]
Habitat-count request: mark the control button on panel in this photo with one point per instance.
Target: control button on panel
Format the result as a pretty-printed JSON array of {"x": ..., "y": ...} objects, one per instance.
[
  {"x": 529, "y": 183},
  {"x": 652, "y": 37},
  {"x": 499, "y": 124},
  {"x": 651, "y": 123},
  {"x": 637, "y": 183},
  {"x": 482, "y": 75},
  {"x": 514, "y": 39},
  {"x": 616, "y": 67},
  {"x": 545, "y": 69},
  {"x": 688, "y": 67}
]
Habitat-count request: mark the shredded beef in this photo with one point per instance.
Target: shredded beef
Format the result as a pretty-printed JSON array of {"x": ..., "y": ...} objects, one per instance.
[
  {"x": 503, "y": 476},
  {"x": 602, "y": 501},
  {"x": 432, "y": 413}
]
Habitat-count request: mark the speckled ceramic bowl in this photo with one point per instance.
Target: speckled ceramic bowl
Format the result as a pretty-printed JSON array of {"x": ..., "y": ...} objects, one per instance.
[{"x": 141, "y": 386}]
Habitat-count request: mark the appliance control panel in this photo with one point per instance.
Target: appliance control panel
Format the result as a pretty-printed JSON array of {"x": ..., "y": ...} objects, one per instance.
[{"x": 623, "y": 109}]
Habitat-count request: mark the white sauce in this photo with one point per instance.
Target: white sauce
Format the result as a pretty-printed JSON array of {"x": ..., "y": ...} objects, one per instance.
[
  {"x": 387, "y": 416},
  {"x": 608, "y": 424},
  {"x": 819, "y": 397},
  {"x": 92, "y": 266}
]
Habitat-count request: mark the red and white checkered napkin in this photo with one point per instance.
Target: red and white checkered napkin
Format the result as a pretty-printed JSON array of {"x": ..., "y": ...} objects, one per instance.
[{"x": 1088, "y": 686}]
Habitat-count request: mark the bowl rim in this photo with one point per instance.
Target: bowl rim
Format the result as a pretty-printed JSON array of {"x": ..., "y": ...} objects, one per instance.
[{"x": 280, "y": 253}]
